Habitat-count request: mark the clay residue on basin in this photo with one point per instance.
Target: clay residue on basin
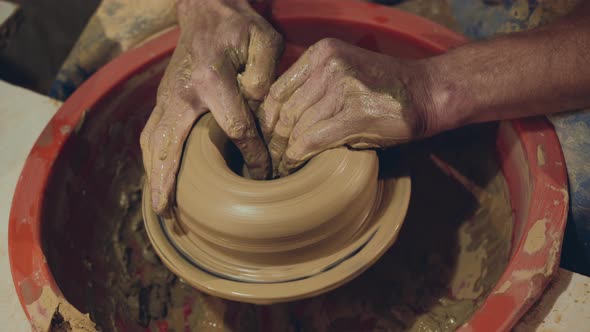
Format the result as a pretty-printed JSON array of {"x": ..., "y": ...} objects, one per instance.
[{"x": 451, "y": 250}]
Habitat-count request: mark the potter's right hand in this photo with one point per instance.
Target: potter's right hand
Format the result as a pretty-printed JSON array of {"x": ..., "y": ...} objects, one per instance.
[
  {"x": 225, "y": 61},
  {"x": 338, "y": 94}
]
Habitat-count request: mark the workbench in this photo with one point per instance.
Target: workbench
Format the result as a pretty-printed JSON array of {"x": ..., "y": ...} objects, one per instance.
[{"x": 23, "y": 114}]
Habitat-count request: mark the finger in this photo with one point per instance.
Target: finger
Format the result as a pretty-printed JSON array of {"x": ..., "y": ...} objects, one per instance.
[
  {"x": 299, "y": 103},
  {"x": 167, "y": 142},
  {"x": 324, "y": 135},
  {"x": 295, "y": 76},
  {"x": 322, "y": 110},
  {"x": 281, "y": 91},
  {"x": 221, "y": 95},
  {"x": 264, "y": 51},
  {"x": 268, "y": 115},
  {"x": 145, "y": 139},
  {"x": 175, "y": 112}
]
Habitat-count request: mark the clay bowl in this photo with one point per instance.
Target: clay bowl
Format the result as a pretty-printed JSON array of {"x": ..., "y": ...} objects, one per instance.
[
  {"x": 84, "y": 174},
  {"x": 274, "y": 241}
]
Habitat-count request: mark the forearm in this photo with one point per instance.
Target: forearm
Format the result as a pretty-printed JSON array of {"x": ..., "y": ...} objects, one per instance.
[{"x": 524, "y": 74}]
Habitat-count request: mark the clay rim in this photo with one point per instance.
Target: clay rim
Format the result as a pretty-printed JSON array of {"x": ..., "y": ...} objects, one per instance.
[
  {"x": 266, "y": 227},
  {"x": 389, "y": 224},
  {"x": 211, "y": 196},
  {"x": 27, "y": 261}
]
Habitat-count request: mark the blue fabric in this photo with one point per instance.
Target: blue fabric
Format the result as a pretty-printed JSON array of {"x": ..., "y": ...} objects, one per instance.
[{"x": 573, "y": 131}]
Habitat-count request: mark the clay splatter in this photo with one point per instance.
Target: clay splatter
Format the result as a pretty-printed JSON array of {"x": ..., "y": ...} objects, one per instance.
[
  {"x": 540, "y": 155},
  {"x": 536, "y": 237}
]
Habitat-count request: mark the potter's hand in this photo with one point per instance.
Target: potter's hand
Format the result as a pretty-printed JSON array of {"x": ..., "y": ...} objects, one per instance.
[
  {"x": 338, "y": 94},
  {"x": 224, "y": 61}
]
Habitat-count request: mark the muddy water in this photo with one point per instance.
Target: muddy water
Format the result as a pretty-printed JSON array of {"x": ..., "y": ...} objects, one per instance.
[{"x": 452, "y": 248}]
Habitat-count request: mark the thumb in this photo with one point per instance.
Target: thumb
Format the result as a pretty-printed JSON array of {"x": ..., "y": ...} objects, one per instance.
[
  {"x": 264, "y": 51},
  {"x": 168, "y": 139}
]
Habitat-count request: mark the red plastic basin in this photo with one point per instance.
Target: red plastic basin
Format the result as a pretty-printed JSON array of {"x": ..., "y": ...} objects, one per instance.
[{"x": 124, "y": 90}]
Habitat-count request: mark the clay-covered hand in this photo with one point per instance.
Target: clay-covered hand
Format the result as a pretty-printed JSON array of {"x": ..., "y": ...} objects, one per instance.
[
  {"x": 338, "y": 94},
  {"x": 225, "y": 61}
]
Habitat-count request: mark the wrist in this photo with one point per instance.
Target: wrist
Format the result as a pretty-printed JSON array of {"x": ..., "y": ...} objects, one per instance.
[
  {"x": 425, "y": 99},
  {"x": 439, "y": 98}
]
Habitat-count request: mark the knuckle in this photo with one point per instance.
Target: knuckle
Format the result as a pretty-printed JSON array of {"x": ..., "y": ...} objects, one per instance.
[
  {"x": 307, "y": 142},
  {"x": 285, "y": 120},
  {"x": 275, "y": 92},
  {"x": 278, "y": 144},
  {"x": 256, "y": 86},
  {"x": 275, "y": 147},
  {"x": 270, "y": 37},
  {"x": 163, "y": 130},
  {"x": 296, "y": 133},
  {"x": 331, "y": 55},
  {"x": 329, "y": 46},
  {"x": 208, "y": 74},
  {"x": 268, "y": 113},
  {"x": 239, "y": 129},
  {"x": 163, "y": 92},
  {"x": 262, "y": 115},
  {"x": 275, "y": 39},
  {"x": 351, "y": 86},
  {"x": 335, "y": 64}
]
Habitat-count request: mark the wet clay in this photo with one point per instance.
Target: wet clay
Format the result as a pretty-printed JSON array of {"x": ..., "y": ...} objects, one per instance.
[
  {"x": 280, "y": 240},
  {"x": 272, "y": 216},
  {"x": 104, "y": 264}
]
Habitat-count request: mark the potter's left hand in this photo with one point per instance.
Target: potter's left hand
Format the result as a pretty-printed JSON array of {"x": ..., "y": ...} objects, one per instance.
[
  {"x": 224, "y": 63},
  {"x": 338, "y": 94}
]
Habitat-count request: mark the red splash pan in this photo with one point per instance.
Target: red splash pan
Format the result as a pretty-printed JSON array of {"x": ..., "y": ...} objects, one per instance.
[{"x": 529, "y": 150}]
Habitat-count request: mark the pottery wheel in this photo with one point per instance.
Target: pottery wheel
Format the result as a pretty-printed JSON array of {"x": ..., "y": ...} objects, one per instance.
[{"x": 279, "y": 240}]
